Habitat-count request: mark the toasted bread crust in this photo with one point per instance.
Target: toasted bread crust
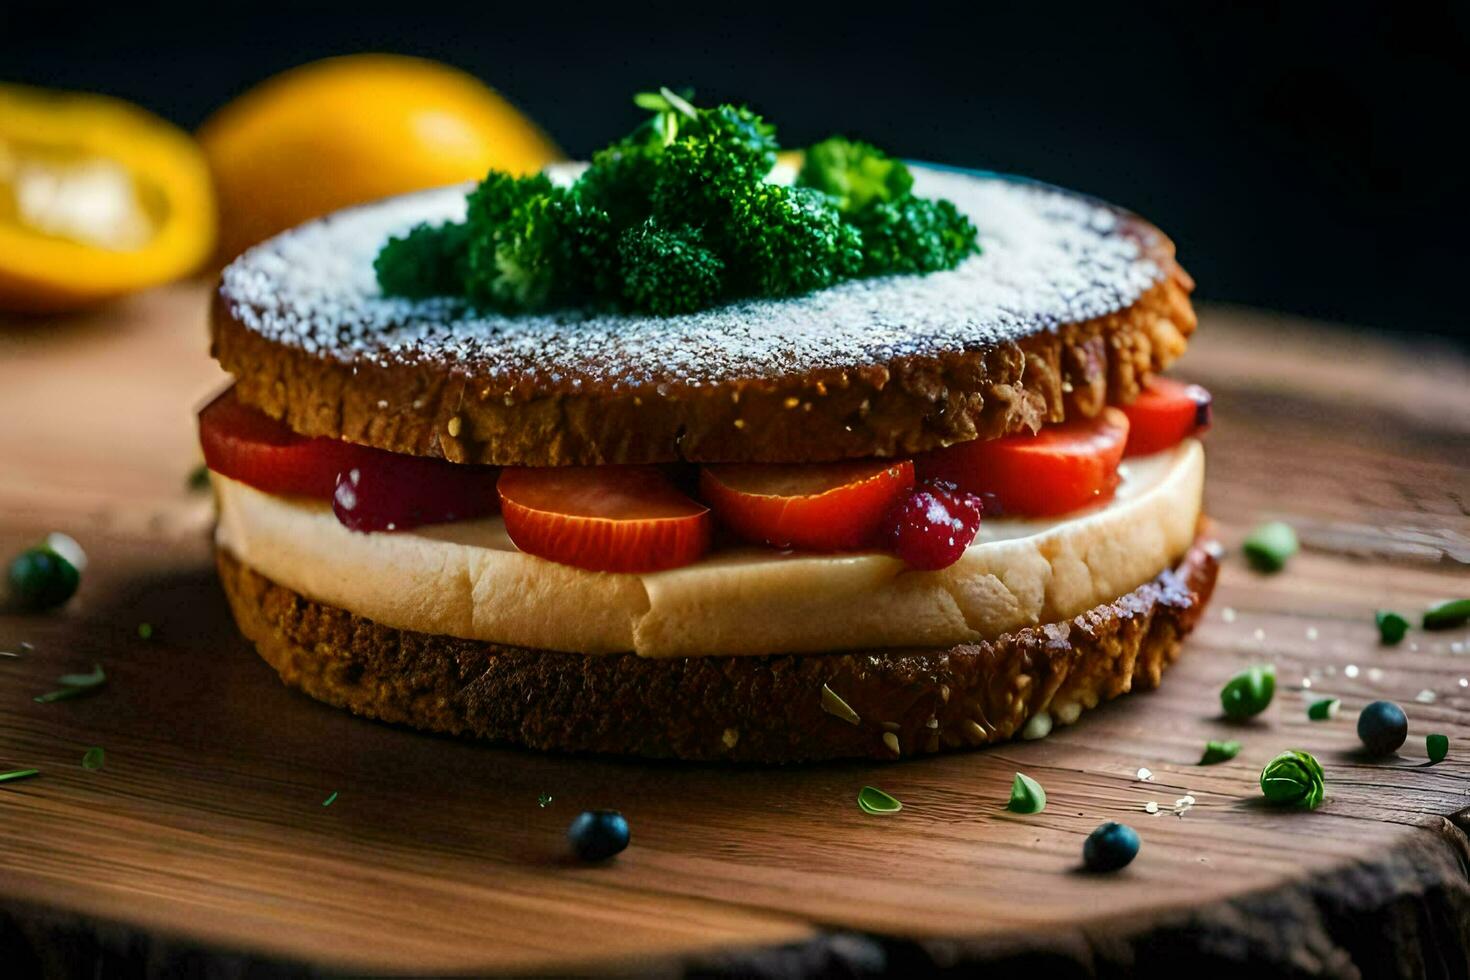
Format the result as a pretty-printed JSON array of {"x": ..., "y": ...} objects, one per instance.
[
  {"x": 737, "y": 709},
  {"x": 903, "y": 407}
]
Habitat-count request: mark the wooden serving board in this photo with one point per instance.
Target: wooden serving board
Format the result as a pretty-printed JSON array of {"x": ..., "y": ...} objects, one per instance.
[{"x": 204, "y": 845}]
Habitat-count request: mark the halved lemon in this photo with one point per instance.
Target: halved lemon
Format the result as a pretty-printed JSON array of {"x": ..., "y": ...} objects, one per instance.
[
  {"x": 347, "y": 130},
  {"x": 98, "y": 198}
]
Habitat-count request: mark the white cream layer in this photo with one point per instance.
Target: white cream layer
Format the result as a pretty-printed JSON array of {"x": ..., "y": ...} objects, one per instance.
[{"x": 468, "y": 580}]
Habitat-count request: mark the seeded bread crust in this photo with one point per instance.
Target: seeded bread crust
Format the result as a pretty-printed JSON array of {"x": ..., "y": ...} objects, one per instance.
[
  {"x": 899, "y": 408},
  {"x": 736, "y": 709},
  {"x": 1074, "y": 304}
]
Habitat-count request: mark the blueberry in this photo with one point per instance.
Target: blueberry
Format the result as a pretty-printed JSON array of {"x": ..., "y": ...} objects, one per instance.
[
  {"x": 597, "y": 835},
  {"x": 1110, "y": 847},
  {"x": 1383, "y": 726},
  {"x": 42, "y": 579}
]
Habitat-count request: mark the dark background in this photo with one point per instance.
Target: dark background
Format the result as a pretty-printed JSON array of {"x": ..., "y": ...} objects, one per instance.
[{"x": 1307, "y": 157}]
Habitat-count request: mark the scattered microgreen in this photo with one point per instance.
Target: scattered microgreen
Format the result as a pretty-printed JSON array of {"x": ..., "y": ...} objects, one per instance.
[
  {"x": 1323, "y": 709},
  {"x": 1027, "y": 796},
  {"x": 544, "y": 800},
  {"x": 1293, "y": 778},
  {"x": 1268, "y": 547},
  {"x": 1391, "y": 626},
  {"x": 330, "y": 800},
  {"x": 834, "y": 705},
  {"x": 13, "y": 774},
  {"x": 145, "y": 631},
  {"x": 74, "y": 686},
  {"x": 1448, "y": 614},
  {"x": 873, "y": 800},
  {"x": 1249, "y": 692},
  {"x": 1219, "y": 752},
  {"x": 94, "y": 758},
  {"x": 198, "y": 478},
  {"x": 1438, "y": 746}
]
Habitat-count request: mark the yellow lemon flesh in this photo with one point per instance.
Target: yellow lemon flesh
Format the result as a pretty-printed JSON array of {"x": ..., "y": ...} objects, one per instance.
[
  {"x": 97, "y": 198},
  {"x": 347, "y": 130}
]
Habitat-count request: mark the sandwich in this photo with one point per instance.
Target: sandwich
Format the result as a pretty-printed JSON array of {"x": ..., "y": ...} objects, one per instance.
[{"x": 699, "y": 452}]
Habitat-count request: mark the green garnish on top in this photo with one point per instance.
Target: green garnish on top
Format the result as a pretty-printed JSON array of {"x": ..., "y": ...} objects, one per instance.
[{"x": 677, "y": 216}]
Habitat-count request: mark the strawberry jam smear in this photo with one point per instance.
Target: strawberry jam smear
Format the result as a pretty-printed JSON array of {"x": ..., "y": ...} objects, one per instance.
[{"x": 925, "y": 511}]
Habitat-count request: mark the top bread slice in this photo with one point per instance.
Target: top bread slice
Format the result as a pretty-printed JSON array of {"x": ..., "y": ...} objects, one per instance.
[{"x": 1071, "y": 305}]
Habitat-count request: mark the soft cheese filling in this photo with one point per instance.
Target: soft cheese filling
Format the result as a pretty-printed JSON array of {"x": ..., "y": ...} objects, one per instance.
[{"x": 467, "y": 579}]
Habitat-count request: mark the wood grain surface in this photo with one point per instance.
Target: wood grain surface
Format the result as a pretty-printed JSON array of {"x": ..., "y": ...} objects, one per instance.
[{"x": 203, "y": 845}]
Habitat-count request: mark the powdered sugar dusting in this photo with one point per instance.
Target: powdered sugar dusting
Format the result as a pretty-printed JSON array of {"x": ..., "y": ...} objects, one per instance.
[{"x": 1049, "y": 258}]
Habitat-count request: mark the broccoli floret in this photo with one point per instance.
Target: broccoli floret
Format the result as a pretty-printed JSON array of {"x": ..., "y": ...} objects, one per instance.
[
  {"x": 499, "y": 196},
  {"x": 787, "y": 240},
  {"x": 716, "y": 157},
  {"x": 678, "y": 215},
  {"x": 666, "y": 272},
  {"x": 428, "y": 261},
  {"x": 551, "y": 249},
  {"x": 620, "y": 178},
  {"x": 913, "y": 235},
  {"x": 855, "y": 173}
]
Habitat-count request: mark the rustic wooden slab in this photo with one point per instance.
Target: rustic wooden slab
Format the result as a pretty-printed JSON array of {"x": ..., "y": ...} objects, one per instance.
[{"x": 204, "y": 840}]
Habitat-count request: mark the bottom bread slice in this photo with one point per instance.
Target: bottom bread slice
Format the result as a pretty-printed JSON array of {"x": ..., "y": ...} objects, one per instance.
[{"x": 883, "y": 704}]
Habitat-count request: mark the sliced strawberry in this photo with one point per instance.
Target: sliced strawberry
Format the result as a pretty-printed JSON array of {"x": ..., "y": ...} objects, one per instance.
[
  {"x": 814, "y": 507},
  {"x": 1164, "y": 414},
  {"x": 245, "y": 444},
  {"x": 1060, "y": 469},
  {"x": 603, "y": 518},
  {"x": 382, "y": 491}
]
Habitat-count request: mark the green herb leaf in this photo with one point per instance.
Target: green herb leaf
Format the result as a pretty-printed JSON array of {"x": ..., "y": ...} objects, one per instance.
[
  {"x": 6, "y": 777},
  {"x": 74, "y": 686},
  {"x": 1391, "y": 626},
  {"x": 652, "y": 101},
  {"x": 145, "y": 631},
  {"x": 1438, "y": 746},
  {"x": 330, "y": 800},
  {"x": 1324, "y": 709},
  {"x": 198, "y": 478},
  {"x": 871, "y": 799},
  {"x": 1293, "y": 778},
  {"x": 1219, "y": 752},
  {"x": 544, "y": 800},
  {"x": 1027, "y": 796},
  {"x": 1448, "y": 614},
  {"x": 94, "y": 759},
  {"x": 1269, "y": 546},
  {"x": 678, "y": 102},
  {"x": 1249, "y": 692}
]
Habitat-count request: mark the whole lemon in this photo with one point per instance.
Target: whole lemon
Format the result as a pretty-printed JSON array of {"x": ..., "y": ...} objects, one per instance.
[{"x": 347, "y": 130}]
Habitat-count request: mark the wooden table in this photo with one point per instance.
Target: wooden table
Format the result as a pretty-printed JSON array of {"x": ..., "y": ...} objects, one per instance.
[{"x": 204, "y": 842}]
